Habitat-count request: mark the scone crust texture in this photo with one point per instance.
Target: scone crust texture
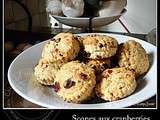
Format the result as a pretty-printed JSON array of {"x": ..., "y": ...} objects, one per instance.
[
  {"x": 75, "y": 81},
  {"x": 99, "y": 65},
  {"x": 116, "y": 83},
  {"x": 45, "y": 71},
  {"x": 63, "y": 47},
  {"x": 133, "y": 56},
  {"x": 99, "y": 46}
]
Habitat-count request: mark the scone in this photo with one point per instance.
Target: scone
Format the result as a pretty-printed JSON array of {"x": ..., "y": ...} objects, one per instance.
[
  {"x": 45, "y": 71},
  {"x": 116, "y": 83},
  {"x": 63, "y": 47},
  {"x": 75, "y": 82},
  {"x": 132, "y": 55},
  {"x": 99, "y": 46},
  {"x": 99, "y": 65}
]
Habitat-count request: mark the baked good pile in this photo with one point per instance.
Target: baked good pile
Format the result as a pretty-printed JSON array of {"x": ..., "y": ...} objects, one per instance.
[{"x": 82, "y": 67}]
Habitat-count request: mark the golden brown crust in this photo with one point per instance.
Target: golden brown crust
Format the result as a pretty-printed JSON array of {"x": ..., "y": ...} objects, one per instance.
[
  {"x": 132, "y": 55},
  {"x": 76, "y": 82},
  {"x": 45, "y": 71},
  {"x": 100, "y": 46},
  {"x": 63, "y": 47},
  {"x": 99, "y": 65},
  {"x": 116, "y": 84}
]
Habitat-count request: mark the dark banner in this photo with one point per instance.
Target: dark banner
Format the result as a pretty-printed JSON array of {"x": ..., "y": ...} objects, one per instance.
[{"x": 80, "y": 114}]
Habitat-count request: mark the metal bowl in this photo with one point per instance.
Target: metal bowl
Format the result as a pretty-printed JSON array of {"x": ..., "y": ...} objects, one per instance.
[{"x": 114, "y": 9}]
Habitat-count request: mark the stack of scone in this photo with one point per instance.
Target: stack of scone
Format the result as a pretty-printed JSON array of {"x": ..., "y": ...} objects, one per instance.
[
  {"x": 59, "y": 50},
  {"x": 79, "y": 67}
]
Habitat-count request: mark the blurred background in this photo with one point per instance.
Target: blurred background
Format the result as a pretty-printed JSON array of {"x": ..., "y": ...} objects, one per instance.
[{"x": 139, "y": 18}]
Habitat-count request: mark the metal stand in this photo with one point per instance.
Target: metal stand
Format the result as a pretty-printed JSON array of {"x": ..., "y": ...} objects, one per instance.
[{"x": 89, "y": 29}]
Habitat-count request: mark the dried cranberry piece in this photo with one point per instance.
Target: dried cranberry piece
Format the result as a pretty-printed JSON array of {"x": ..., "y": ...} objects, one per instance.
[
  {"x": 83, "y": 76},
  {"x": 56, "y": 50},
  {"x": 100, "y": 45},
  {"x": 69, "y": 83},
  {"x": 60, "y": 54},
  {"x": 56, "y": 86},
  {"x": 120, "y": 87},
  {"x": 46, "y": 66},
  {"x": 109, "y": 71}
]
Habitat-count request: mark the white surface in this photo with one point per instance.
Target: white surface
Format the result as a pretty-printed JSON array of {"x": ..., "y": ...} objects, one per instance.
[
  {"x": 139, "y": 18},
  {"x": 141, "y": 15},
  {"x": 21, "y": 70},
  {"x": 113, "y": 27}
]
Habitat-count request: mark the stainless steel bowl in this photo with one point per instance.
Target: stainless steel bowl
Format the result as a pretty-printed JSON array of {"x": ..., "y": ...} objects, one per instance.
[{"x": 114, "y": 10}]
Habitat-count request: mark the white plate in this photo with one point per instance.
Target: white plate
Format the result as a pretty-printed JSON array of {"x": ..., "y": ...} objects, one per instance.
[
  {"x": 21, "y": 70},
  {"x": 114, "y": 9}
]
